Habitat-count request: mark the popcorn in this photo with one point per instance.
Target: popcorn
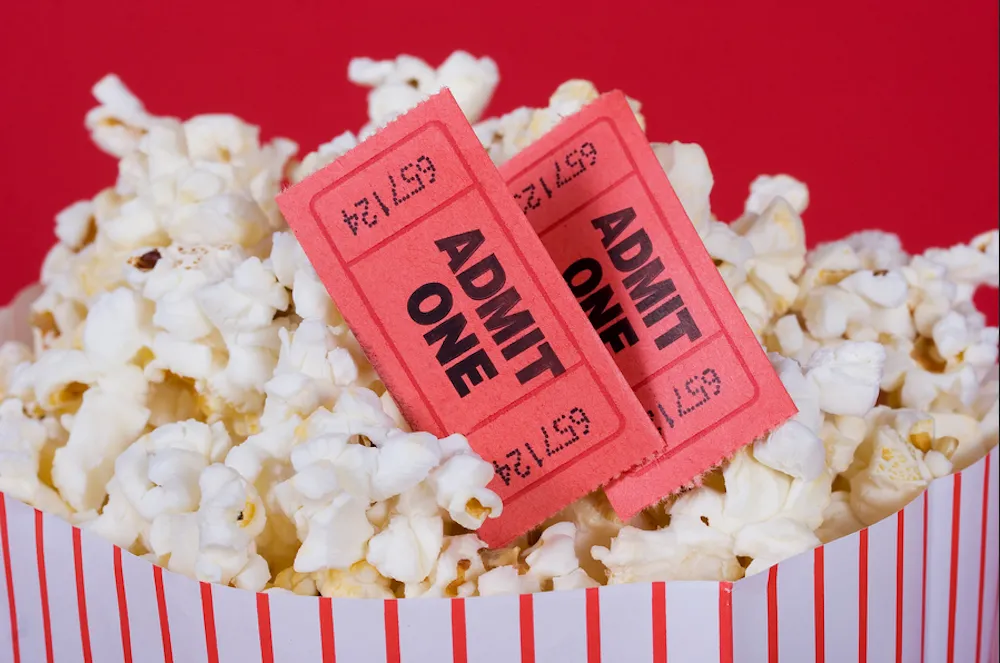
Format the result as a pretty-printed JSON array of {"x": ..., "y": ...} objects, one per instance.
[
  {"x": 230, "y": 516},
  {"x": 754, "y": 492},
  {"x": 407, "y": 548},
  {"x": 120, "y": 121},
  {"x": 765, "y": 189},
  {"x": 245, "y": 301},
  {"x": 401, "y": 84},
  {"x": 778, "y": 241},
  {"x": 505, "y": 580},
  {"x": 336, "y": 536},
  {"x": 553, "y": 559},
  {"x": 111, "y": 416},
  {"x": 687, "y": 169},
  {"x": 13, "y": 356},
  {"x": 772, "y": 541},
  {"x": 893, "y": 477},
  {"x": 793, "y": 449},
  {"x": 159, "y": 472},
  {"x": 459, "y": 486},
  {"x": 117, "y": 327},
  {"x": 190, "y": 392},
  {"x": 23, "y": 441},
  {"x": 289, "y": 580},
  {"x": 848, "y": 376},
  {"x": 644, "y": 556},
  {"x": 75, "y": 225},
  {"x": 324, "y": 155},
  {"x": 505, "y": 136},
  {"x": 360, "y": 581},
  {"x": 456, "y": 571}
]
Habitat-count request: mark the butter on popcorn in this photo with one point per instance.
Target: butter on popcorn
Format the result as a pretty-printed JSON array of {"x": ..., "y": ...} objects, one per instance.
[{"x": 192, "y": 393}]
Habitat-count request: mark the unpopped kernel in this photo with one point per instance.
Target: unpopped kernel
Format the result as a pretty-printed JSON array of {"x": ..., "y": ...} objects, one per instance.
[{"x": 191, "y": 392}]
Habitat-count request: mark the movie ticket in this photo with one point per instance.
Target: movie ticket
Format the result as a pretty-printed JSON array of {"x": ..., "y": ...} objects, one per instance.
[
  {"x": 464, "y": 316},
  {"x": 599, "y": 200}
]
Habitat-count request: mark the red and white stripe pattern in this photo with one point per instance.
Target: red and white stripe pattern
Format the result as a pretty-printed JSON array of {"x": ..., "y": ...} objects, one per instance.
[{"x": 918, "y": 587}]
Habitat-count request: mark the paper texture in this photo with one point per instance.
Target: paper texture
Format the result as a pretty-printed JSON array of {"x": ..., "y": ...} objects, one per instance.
[
  {"x": 598, "y": 198},
  {"x": 460, "y": 309}
]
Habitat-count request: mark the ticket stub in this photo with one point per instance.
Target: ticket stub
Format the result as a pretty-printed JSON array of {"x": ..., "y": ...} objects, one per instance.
[
  {"x": 599, "y": 200},
  {"x": 465, "y": 317}
]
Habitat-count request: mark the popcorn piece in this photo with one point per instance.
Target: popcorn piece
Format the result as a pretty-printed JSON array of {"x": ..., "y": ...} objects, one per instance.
[
  {"x": 645, "y": 556},
  {"x": 554, "y": 554},
  {"x": 159, "y": 473},
  {"x": 687, "y": 169},
  {"x": 829, "y": 311},
  {"x": 297, "y": 583},
  {"x": 505, "y": 580},
  {"x": 793, "y": 449},
  {"x": 360, "y": 581},
  {"x": 401, "y": 84},
  {"x": 877, "y": 250},
  {"x": 765, "y": 189},
  {"x": 460, "y": 484},
  {"x": 471, "y": 81},
  {"x": 841, "y": 437},
  {"x": 887, "y": 290},
  {"x": 230, "y": 516},
  {"x": 754, "y": 492},
  {"x": 407, "y": 549},
  {"x": 178, "y": 275},
  {"x": 778, "y": 241},
  {"x": 847, "y": 376},
  {"x": 14, "y": 356},
  {"x": 772, "y": 541},
  {"x": 119, "y": 522},
  {"x": 337, "y": 536},
  {"x": 324, "y": 155},
  {"x": 970, "y": 265},
  {"x": 596, "y": 524},
  {"x": 246, "y": 301},
  {"x": 117, "y": 327},
  {"x": 75, "y": 225},
  {"x": 892, "y": 478},
  {"x": 807, "y": 500},
  {"x": 456, "y": 571},
  {"x": 112, "y": 414},
  {"x": 117, "y": 125},
  {"x": 23, "y": 441}
]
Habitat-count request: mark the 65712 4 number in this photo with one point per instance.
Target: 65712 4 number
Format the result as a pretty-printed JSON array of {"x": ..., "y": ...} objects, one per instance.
[
  {"x": 563, "y": 431},
  {"x": 413, "y": 178}
]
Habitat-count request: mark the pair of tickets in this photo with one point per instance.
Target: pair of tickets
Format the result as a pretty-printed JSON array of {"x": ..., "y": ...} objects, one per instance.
[{"x": 561, "y": 312}]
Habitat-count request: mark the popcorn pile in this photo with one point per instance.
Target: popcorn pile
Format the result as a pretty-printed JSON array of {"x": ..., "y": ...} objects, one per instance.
[{"x": 193, "y": 395}]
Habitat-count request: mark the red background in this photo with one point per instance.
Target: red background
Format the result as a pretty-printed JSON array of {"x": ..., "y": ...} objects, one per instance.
[{"x": 888, "y": 110}]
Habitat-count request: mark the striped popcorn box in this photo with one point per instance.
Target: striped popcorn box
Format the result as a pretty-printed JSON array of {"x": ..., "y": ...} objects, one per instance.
[{"x": 920, "y": 586}]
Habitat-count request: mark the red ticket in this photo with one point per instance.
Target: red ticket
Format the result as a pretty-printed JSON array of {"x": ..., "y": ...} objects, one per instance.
[
  {"x": 462, "y": 312},
  {"x": 602, "y": 205}
]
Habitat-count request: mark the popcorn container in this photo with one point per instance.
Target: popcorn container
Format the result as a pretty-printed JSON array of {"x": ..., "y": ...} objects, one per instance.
[{"x": 921, "y": 585}]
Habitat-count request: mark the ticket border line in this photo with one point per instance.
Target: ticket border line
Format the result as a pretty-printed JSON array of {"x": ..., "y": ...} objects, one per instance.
[
  {"x": 611, "y": 121},
  {"x": 498, "y": 219}
]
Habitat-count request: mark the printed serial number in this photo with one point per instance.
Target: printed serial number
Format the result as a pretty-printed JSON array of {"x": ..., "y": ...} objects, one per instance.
[
  {"x": 414, "y": 176},
  {"x": 698, "y": 390},
  {"x": 566, "y": 429},
  {"x": 564, "y": 169}
]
